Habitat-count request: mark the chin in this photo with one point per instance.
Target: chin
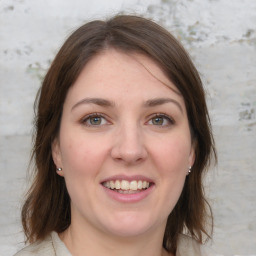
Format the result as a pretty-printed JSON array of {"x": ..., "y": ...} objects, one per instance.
[
  {"x": 126, "y": 232},
  {"x": 130, "y": 225}
]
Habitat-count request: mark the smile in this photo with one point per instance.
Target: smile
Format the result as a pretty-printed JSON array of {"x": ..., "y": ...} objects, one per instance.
[{"x": 127, "y": 187}]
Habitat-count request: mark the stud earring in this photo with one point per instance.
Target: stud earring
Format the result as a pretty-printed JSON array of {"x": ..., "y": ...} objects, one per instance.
[
  {"x": 59, "y": 169},
  {"x": 189, "y": 170}
]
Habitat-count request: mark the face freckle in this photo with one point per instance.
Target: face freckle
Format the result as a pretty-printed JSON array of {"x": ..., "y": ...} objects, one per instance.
[{"x": 125, "y": 92}]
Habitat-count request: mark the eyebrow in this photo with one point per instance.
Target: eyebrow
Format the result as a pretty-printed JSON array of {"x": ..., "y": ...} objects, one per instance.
[
  {"x": 96, "y": 101},
  {"x": 161, "y": 101},
  {"x": 108, "y": 103}
]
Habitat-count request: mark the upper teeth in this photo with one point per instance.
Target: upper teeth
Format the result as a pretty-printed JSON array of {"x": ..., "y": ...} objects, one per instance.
[{"x": 126, "y": 185}]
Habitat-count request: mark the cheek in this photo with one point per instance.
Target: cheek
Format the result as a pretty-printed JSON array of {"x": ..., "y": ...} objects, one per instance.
[
  {"x": 81, "y": 155},
  {"x": 80, "y": 167},
  {"x": 171, "y": 160},
  {"x": 172, "y": 154}
]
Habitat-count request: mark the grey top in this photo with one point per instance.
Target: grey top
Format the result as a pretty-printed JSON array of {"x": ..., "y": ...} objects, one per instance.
[{"x": 53, "y": 246}]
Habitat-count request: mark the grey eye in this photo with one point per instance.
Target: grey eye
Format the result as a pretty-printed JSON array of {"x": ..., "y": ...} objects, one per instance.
[
  {"x": 161, "y": 120},
  {"x": 95, "y": 120},
  {"x": 158, "y": 120}
]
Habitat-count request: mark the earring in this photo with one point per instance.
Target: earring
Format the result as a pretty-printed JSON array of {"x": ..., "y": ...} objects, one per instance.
[
  {"x": 59, "y": 169},
  {"x": 189, "y": 170}
]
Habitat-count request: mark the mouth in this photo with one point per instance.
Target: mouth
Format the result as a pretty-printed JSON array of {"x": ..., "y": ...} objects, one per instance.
[{"x": 127, "y": 187}]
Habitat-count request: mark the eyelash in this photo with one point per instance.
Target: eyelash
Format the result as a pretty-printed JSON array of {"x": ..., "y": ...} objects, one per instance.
[
  {"x": 93, "y": 115},
  {"x": 169, "y": 119}
]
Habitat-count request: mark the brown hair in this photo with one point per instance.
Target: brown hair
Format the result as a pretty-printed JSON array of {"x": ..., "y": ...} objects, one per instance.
[{"x": 47, "y": 207}]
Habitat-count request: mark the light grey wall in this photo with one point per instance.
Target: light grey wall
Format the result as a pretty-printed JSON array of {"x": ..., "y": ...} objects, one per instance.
[{"x": 220, "y": 36}]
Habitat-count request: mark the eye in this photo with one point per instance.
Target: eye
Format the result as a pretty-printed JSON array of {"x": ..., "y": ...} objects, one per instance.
[
  {"x": 94, "y": 120},
  {"x": 161, "y": 120}
]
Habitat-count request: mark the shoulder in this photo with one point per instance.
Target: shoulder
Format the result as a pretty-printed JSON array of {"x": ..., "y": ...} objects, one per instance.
[
  {"x": 41, "y": 248},
  {"x": 189, "y": 246},
  {"x": 50, "y": 246}
]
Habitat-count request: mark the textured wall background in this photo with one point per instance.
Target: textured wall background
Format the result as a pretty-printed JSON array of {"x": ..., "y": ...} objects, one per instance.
[{"x": 220, "y": 36}]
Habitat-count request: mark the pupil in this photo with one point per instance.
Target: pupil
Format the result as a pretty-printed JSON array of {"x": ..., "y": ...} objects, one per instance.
[
  {"x": 95, "y": 120},
  {"x": 158, "y": 120}
]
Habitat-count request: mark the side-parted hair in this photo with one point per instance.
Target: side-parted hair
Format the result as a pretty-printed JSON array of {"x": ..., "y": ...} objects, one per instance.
[{"x": 47, "y": 206}]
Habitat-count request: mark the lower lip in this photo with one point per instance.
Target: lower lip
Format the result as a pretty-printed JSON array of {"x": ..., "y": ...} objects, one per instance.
[{"x": 128, "y": 198}]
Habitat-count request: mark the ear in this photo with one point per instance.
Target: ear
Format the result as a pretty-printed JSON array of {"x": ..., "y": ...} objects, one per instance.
[
  {"x": 56, "y": 155},
  {"x": 192, "y": 155}
]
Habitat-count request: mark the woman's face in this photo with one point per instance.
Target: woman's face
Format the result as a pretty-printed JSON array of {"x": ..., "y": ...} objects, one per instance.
[{"x": 124, "y": 145}]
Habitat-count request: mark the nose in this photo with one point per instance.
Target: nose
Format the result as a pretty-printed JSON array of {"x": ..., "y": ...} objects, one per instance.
[{"x": 129, "y": 146}]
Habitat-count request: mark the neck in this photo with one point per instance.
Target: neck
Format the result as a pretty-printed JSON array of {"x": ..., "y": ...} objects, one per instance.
[{"x": 94, "y": 242}]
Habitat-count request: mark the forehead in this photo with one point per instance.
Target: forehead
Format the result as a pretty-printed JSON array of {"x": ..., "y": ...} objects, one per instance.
[{"x": 113, "y": 71}]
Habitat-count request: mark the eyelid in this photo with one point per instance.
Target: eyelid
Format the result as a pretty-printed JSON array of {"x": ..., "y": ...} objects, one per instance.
[
  {"x": 163, "y": 115},
  {"x": 96, "y": 114},
  {"x": 85, "y": 118}
]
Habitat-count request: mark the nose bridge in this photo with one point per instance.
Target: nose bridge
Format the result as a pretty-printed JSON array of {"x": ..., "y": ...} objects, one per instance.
[{"x": 129, "y": 143}]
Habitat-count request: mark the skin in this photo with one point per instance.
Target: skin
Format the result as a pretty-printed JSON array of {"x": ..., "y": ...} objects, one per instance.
[{"x": 126, "y": 138}]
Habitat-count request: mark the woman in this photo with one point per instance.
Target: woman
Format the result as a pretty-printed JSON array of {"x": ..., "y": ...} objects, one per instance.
[{"x": 122, "y": 140}]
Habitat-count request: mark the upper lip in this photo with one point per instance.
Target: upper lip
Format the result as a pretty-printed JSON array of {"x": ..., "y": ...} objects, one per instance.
[{"x": 128, "y": 178}]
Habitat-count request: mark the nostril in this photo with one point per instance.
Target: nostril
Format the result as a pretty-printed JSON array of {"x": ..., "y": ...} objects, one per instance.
[
  {"x": 129, "y": 156},
  {"x": 129, "y": 146}
]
